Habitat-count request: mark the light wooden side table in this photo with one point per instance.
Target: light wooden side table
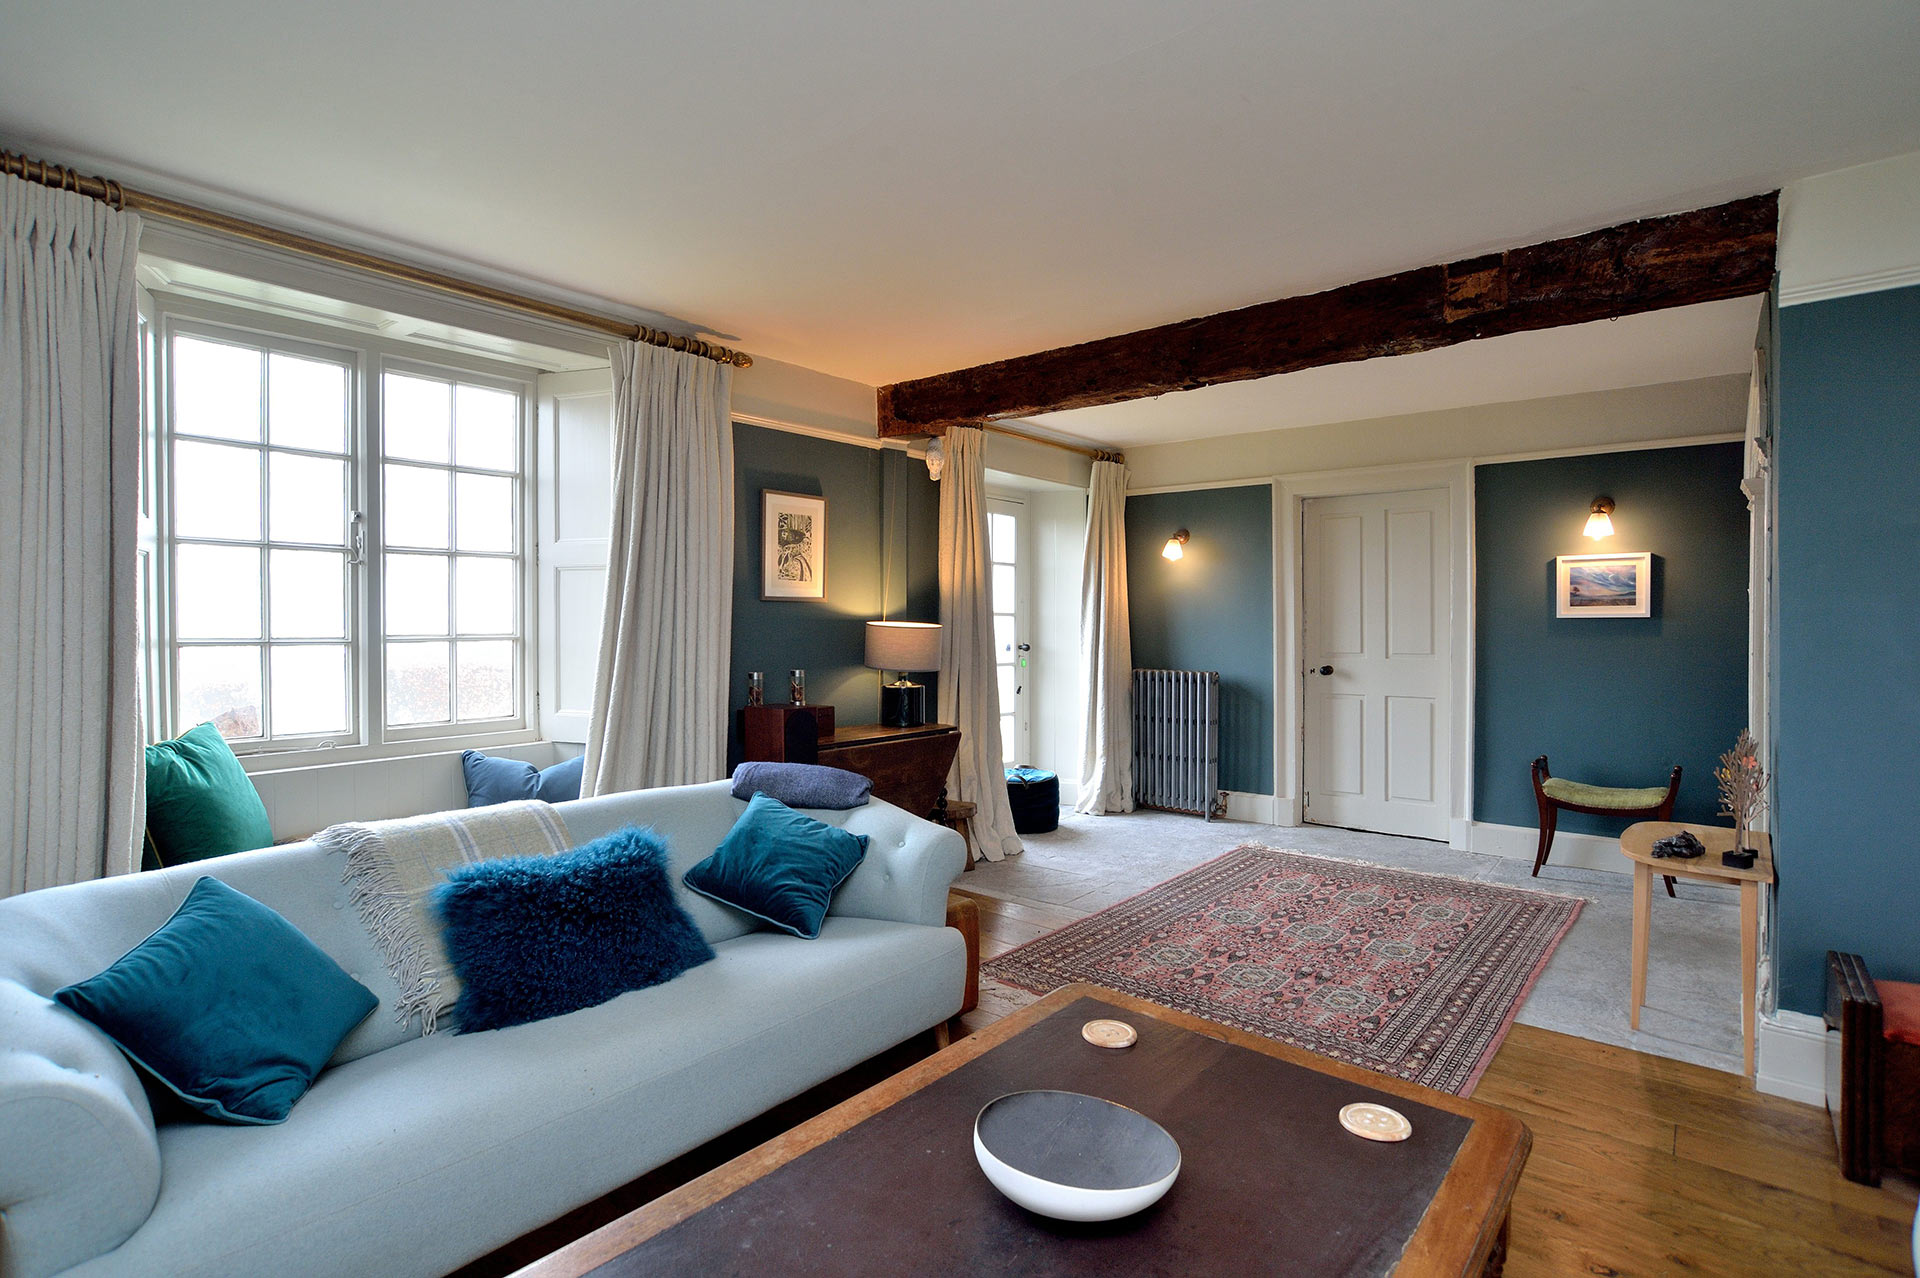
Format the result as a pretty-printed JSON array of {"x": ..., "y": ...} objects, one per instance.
[{"x": 1637, "y": 844}]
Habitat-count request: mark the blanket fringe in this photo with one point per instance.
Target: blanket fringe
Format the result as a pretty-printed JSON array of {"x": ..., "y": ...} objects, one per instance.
[{"x": 387, "y": 912}]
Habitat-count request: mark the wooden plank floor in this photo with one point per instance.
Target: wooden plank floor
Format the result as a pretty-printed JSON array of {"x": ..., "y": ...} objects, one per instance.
[{"x": 1641, "y": 1165}]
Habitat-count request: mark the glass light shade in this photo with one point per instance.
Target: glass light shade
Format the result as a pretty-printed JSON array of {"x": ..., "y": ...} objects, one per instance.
[
  {"x": 1599, "y": 524},
  {"x": 1176, "y": 547},
  {"x": 903, "y": 645}
]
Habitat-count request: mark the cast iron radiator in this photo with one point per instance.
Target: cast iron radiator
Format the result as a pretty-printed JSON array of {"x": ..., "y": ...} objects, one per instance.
[{"x": 1176, "y": 741}]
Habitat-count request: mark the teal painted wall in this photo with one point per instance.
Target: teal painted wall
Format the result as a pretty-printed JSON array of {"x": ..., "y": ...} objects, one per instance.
[
  {"x": 879, "y": 501},
  {"x": 1847, "y": 712},
  {"x": 1213, "y": 610},
  {"x": 1609, "y": 701}
]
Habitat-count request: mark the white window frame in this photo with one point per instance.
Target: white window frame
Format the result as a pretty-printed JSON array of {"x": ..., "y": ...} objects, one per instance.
[{"x": 369, "y": 357}]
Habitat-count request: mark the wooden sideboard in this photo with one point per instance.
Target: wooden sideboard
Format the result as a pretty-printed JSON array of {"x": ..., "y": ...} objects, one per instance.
[{"x": 908, "y": 766}]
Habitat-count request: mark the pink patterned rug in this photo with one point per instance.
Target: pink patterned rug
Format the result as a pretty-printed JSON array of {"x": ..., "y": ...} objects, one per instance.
[{"x": 1414, "y": 975}]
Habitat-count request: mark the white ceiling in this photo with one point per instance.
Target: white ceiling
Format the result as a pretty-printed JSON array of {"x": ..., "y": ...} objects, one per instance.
[
  {"x": 1639, "y": 350},
  {"x": 886, "y": 191}
]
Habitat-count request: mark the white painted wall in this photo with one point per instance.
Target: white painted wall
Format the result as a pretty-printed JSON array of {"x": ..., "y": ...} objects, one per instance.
[
  {"x": 1017, "y": 456},
  {"x": 1596, "y": 420},
  {"x": 773, "y": 393},
  {"x": 1854, "y": 230},
  {"x": 302, "y": 801}
]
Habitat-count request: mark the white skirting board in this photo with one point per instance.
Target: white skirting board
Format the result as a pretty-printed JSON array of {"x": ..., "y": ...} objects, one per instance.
[
  {"x": 1261, "y": 809},
  {"x": 1791, "y": 1057},
  {"x": 1579, "y": 851}
]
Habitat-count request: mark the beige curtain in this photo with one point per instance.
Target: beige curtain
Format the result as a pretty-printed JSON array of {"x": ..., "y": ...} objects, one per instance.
[
  {"x": 1106, "y": 651},
  {"x": 660, "y": 698},
  {"x": 71, "y": 767},
  {"x": 969, "y": 689}
]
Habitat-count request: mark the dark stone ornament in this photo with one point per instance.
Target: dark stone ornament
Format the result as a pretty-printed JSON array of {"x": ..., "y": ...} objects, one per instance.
[{"x": 1682, "y": 845}]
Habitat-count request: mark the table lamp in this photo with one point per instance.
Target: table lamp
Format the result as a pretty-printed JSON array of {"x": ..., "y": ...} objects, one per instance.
[{"x": 903, "y": 646}]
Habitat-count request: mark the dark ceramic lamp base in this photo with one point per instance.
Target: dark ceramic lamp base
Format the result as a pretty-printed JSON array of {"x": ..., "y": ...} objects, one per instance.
[{"x": 903, "y": 704}]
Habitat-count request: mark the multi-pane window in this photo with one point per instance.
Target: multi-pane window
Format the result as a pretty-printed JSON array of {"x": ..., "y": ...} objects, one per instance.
[
  {"x": 259, "y": 481},
  {"x": 448, "y": 472},
  {"x": 344, "y": 542}
]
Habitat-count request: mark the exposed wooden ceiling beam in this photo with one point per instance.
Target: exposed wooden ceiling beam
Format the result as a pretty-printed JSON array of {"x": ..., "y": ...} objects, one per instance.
[{"x": 1702, "y": 256}]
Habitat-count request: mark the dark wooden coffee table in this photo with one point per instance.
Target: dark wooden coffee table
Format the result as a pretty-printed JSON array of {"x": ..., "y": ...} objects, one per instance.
[{"x": 1270, "y": 1182}]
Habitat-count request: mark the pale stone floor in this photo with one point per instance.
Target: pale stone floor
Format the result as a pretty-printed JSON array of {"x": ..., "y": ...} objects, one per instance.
[{"x": 1693, "y": 971}]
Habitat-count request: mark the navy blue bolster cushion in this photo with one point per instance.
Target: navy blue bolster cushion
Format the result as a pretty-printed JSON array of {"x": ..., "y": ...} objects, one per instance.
[
  {"x": 228, "y": 1006},
  {"x": 780, "y": 866},
  {"x": 491, "y": 780},
  {"x": 802, "y": 785},
  {"x": 538, "y": 936}
]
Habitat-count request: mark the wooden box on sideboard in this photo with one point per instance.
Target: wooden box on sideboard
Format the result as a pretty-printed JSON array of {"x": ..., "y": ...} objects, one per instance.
[{"x": 784, "y": 733}]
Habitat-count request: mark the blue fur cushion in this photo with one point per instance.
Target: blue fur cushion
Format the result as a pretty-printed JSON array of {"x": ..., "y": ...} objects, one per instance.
[{"x": 538, "y": 936}]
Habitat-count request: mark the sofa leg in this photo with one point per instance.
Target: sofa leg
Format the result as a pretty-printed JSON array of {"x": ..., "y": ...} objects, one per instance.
[
  {"x": 963, "y": 915},
  {"x": 942, "y": 1036}
]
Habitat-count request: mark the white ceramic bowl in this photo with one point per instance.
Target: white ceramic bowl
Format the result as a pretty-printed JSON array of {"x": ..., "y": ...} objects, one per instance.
[{"x": 1074, "y": 1157}]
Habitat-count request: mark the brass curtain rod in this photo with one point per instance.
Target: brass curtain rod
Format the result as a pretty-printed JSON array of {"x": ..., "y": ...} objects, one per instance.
[
  {"x": 114, "y": 194},
  {"x": 1097, "y": 454}
]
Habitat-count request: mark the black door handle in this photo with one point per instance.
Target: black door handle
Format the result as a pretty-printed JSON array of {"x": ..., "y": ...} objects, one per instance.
[
  {"x": 1024, "y": 647},
  {"x": 1324, "y": 670}
]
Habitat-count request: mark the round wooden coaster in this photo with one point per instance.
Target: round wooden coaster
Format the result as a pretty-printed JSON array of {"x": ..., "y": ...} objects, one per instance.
[
  {"x": 1375, "y": 1122},
  {"x": 1109, "y": 1033}
]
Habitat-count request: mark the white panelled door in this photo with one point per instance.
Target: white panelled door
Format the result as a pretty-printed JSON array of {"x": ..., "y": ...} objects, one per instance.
[
  {"x": 1378, "y": 649},
  {"x": 576, "y": 511}
]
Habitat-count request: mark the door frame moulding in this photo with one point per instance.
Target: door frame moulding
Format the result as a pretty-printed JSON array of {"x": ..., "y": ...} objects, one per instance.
[{"x": 1289, "y": 720}]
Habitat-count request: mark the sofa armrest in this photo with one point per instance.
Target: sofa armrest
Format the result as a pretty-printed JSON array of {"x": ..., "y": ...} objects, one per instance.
[
  {"x": 910, "y": 864},
  {"x": 81, "y": 1167}
]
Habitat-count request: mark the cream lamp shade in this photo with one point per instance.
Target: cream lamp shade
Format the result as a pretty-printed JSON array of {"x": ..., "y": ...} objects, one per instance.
[{"x": 903, "y": 645}]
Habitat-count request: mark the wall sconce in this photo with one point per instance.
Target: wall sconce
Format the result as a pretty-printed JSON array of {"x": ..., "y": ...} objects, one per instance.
[
  {"x": 1176, "y": 547},
  {"x": 1600, "y": 522}
]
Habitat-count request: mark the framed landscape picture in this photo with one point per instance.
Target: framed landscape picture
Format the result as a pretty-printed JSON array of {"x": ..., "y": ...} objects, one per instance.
[
  {"x": 793, "y": 547},
  {"x": 1603, "y": 585}
]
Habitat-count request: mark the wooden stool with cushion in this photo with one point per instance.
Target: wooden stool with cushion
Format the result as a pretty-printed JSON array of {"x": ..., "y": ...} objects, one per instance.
[
  {"x": 1873, "y": 1070},
  {"x": 1554, "y": 793}
]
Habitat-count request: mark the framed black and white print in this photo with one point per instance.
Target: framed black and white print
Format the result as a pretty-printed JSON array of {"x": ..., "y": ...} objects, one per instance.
[
  {"x": 793, "y": 546},
  {"x": 1603, "y": 585}
]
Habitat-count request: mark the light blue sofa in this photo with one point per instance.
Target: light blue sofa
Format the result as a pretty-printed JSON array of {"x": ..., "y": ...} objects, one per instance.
[{"x": 414, "y": 1155}]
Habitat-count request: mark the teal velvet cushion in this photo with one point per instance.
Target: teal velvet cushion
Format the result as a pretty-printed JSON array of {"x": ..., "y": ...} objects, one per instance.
[
  {"x": 779, "y": 866},
  {"x": 228, "y": 1006},
  {"x": 200, "y": 802}
]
